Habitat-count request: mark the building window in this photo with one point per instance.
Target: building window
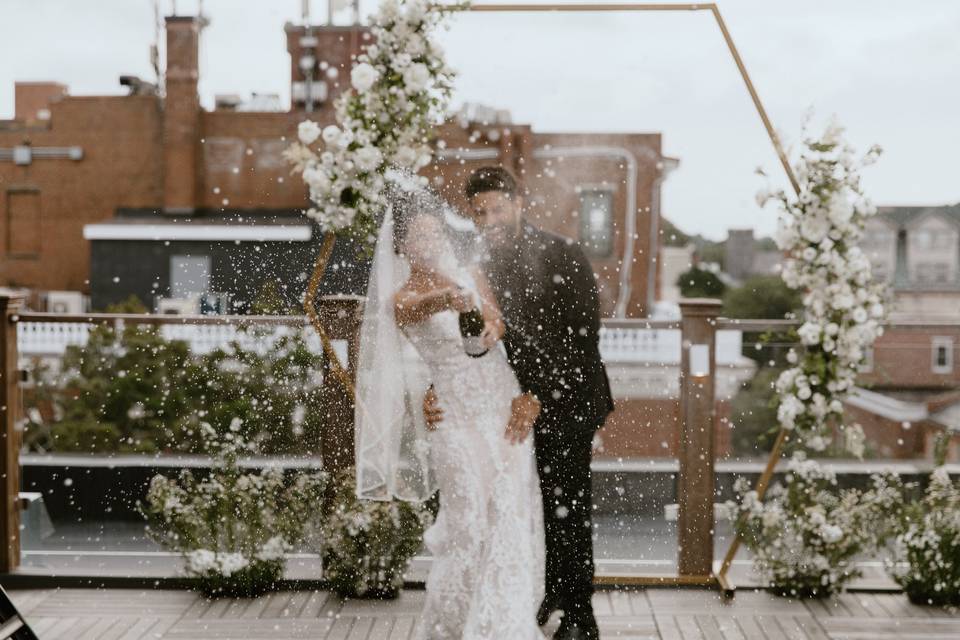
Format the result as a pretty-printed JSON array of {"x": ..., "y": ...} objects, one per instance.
[
  {"x": 189, "y": 276},
  {"x": 596, "y": 221},
  {"x": 933, "y": 272},
  {"x": 942, "y": 355},
  {"x": 23, "y": 224}
]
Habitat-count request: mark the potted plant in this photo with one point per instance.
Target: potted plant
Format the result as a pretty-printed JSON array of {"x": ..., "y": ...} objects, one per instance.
[
  {"x": 926, "y": 551},
  {"x": 367, "y": 544},
  {"x": 233, "y": 527},
  {"x": 805, "y": 535}
]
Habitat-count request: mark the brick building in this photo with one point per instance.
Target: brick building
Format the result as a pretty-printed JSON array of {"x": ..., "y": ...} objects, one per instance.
[{"x": 151, "y": 195}]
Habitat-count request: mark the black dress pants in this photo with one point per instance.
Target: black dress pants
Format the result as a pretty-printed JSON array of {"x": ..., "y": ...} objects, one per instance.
[{"x": 563, "y": 451}]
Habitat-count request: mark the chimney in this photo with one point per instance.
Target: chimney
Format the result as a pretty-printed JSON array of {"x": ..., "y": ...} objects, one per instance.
[{"x": 181, "y": 115}]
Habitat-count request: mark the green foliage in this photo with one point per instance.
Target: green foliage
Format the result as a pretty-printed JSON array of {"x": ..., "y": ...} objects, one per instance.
[
  {"x": 754, "y": 415},
  {"x": 367, "y": 544},
  {"x": 700, "y": 283},
  {"x": 761, "y": 297},
  {"x": 132, "y": 390}
]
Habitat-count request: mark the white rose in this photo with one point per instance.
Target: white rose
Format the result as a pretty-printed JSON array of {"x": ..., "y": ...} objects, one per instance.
[
  {"x": 416, "y": 11},
  {"x": 363, "y": 77},
  {"x": 814, "y": 228},
  {"x": 841, "y": 210},
  {"x": 308, "y": 131},
  {"x": 331, "y": 134},
  {"x": 317, "y": 180},
  {"x": 860, "y": 315},
  {"x": 402, "y": 60},
  {"x": 416, "y": 77},
  {"x": 368, "y": 158},
  {"x": 831, "y": 533},
  {"x": 405, "y": 156},
  {"x": 809, "y": 333}
]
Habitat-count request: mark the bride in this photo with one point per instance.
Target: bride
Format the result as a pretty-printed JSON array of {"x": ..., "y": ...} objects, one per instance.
[{"x": 487, "y": 542}]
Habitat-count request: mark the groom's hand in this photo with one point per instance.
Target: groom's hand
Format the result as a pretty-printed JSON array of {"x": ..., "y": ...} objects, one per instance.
[
  {"x": 431, "y": 409},
  {"x": 523, "y": 413}
]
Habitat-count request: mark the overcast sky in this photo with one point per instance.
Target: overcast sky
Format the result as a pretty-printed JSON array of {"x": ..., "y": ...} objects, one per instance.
[{"x": 889, "y": 69}]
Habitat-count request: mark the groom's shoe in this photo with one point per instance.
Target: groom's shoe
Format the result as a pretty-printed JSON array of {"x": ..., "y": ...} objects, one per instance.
[
  {"x": 547, "y": 607},
  {"x": 575, "y": 631}
]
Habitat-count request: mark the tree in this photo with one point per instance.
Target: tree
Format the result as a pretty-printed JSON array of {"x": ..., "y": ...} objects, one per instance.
[
  {"x": 700, "y": 283},
  {"x": 763, "y": 297}
]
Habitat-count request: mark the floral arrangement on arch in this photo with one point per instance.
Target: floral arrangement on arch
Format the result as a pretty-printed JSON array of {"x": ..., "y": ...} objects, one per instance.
[
  {"x": 806, "y": 532},
  {"x": 233, "y": 528},
  {"x": 805, "y": 535},
  {"x": 844, "y": 308},
  {"x": 400, "y": 89}
]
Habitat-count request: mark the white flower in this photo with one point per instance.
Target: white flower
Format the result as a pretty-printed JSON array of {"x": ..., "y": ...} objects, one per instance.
[
  {"x": 814, "y": 228},
  {"x": 317, "y": 179},
  {"x": 405, "y": 157},
  {"x": 809, "y": 333},
  {"x": 201, "y": 561},
  {"x": 230, "y": 563},
  {"x": 273, "y": 549},
  {"x": 363, "y": 77},
  {"x": 402, "y": 60},
  {"x": 331, "y": 134},
  {"x": 367, "y": 158},
  {"x": 308, "y": 131},
  {"x": 831, "y": 533},
  {"x": 416, "y": 77},
  {"x": 841, "y": 210}
]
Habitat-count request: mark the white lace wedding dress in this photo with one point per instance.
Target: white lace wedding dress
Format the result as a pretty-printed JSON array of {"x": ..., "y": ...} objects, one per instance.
[{"x": 486, "y": 581}]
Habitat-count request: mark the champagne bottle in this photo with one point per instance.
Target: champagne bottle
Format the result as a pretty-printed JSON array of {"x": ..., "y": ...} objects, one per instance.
[{"x": 471, "y": 328}]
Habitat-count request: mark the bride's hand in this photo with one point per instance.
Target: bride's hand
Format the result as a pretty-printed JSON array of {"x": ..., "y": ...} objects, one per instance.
[
  {"x": 493, "y": 330},
  {"x": 456, "y": 299}
]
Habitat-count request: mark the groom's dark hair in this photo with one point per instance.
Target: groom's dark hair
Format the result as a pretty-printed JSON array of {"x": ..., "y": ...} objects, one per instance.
[{"x": 491, "y": 179}]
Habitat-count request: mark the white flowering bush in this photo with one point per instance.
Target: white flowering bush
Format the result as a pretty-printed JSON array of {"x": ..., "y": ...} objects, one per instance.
[
  {"x": 806, "y": 533},
  {"x": 844, "y": 308},
  {"x": 400, "y": 89},
  {"x": 233, "y": 528},
  {"x": 367, "y": 544},
  {"x": 925, "y": 557}
]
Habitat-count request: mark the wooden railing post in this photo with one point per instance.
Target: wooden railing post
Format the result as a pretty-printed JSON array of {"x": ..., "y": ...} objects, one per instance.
[
  {"x": 695, "y": 484},
  {"x": 341, "y": 317},
  {"x": 10, "y": 305}
]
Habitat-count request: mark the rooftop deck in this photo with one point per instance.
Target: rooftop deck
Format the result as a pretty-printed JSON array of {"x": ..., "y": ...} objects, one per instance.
[{"x": 129, "y": 614}]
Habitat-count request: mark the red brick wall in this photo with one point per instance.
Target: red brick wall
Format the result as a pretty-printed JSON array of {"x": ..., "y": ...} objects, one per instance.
[
  {"x": 31, "y": 97},
  {"x": 650, "y": 428},
  {"x": 121, "y": 167},
  {"x": 903, "y": 359}
]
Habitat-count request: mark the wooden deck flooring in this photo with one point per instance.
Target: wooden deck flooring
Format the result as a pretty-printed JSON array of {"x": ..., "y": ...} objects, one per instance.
[{"x": 129, "y": 614}]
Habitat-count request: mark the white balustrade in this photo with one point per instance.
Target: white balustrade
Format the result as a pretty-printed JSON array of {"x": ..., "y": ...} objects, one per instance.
[{"x": 617, "y": 344}]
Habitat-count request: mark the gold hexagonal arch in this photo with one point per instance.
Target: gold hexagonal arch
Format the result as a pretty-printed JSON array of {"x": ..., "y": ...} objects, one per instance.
[{"x": 704, "y": 577}]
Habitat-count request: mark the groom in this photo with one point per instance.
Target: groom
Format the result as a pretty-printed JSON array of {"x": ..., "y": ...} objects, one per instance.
[{"x": 548, "y": 295}]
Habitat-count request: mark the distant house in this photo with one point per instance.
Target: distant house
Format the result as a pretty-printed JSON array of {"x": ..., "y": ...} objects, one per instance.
[
  {"x": 912, "y": 377},
  {"x": 917, "y": 250}
]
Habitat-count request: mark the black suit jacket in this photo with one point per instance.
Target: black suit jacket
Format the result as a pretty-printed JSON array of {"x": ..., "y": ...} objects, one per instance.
[{"x": 548, "y": 294}]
